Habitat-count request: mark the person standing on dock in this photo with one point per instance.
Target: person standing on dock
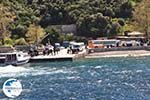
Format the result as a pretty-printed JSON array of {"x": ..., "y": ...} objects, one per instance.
[{"x": 54, "y": 49}]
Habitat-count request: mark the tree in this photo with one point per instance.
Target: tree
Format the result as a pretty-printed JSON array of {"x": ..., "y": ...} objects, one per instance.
[
  {"x": 6, "y": 17},
  {"x": 91, "y": 16},
  {"x": 142, "y": 17},
  {"x": 35, "y": 33},
  {"x": 20, "y": 41},
  {"x": 53, "y": 35},
  {"x": 8, "y": 41}
]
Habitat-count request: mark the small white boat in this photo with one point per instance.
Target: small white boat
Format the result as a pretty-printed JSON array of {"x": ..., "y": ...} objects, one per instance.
[{"x": 14, "y": 58}]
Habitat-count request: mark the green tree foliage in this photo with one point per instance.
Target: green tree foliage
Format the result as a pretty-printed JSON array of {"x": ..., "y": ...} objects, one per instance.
[
  {"x": 21, "y": 41},
  {"x": 93, "y": 25},
  {"x": 53, "y": 35},
  {"x": 34, "y": 34},
  {"x": 93, "y": 18},
  {"x": 6, "y": 17},
  {"x": 25, "y": 16},
  {"x": 141, "y": 19},
  {"x": 8, "y": 41}
]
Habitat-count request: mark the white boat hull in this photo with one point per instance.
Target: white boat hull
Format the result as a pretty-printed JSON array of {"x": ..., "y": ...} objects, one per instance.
[
  {"x": 19, "y": 59},
  {"x": 21, "y": 62}
]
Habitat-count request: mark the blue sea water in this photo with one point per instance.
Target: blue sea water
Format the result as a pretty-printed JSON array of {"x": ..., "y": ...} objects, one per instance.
[{"x": 83, "y": 79}]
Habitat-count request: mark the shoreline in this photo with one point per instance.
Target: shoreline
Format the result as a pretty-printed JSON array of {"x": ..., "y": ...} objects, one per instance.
[{"x": 109, "y": 54}]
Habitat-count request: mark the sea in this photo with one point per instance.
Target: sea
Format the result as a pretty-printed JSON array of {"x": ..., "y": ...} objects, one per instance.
[{"x": 126, "y": 78}]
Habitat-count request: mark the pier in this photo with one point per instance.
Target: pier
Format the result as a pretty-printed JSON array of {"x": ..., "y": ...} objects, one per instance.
[{"x": 62, "y": 55}]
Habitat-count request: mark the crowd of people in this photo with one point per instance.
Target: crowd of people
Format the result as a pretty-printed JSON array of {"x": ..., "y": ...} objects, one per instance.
[
  {"x": 50, "y": 50},
  {"x": 46, "y": 50}
]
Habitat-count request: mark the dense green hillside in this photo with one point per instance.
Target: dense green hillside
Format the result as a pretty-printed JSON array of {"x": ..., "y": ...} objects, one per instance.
[{"x": 93, "y": 18}]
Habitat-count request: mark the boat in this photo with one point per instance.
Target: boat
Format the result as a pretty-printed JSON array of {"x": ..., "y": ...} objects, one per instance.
[{"x": 14, "y": 58}]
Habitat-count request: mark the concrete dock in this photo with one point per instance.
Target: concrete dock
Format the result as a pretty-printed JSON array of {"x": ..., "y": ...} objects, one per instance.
[
  {"x": 129, "y": 53},
  {"x": 61, "y": 56}
]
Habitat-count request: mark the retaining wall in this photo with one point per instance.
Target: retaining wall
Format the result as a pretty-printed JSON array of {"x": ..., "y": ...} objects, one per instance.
[{"x": 119, "y": 49}]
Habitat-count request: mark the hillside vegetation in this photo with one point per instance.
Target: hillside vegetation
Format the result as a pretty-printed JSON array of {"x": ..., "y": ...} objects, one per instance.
[{"x": 94, "y": 18}]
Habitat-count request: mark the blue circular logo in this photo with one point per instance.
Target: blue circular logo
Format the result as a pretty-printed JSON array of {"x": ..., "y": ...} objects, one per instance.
[{"x": 12, "y": 88}]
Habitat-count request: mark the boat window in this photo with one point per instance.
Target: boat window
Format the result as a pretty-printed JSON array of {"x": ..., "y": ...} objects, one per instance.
[
  {"x": 8, "y": 58},
  {"x": 14, "y": 57},
  {"x": 2, "y": 55}
]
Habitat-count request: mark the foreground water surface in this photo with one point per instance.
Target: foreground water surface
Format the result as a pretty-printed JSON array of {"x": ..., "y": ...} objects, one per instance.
[{"x": 85, "y": 79}]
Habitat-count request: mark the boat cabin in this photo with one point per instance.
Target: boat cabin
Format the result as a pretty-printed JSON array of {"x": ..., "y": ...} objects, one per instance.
[{"x": 14, "y": 58}]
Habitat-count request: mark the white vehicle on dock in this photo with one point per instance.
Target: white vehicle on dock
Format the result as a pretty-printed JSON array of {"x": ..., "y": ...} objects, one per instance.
[
  {"x": 79, "y": 46},
  {"x": 14, "y": 58}
]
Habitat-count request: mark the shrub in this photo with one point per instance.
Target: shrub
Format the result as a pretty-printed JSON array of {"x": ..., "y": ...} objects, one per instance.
[{"x": 21, "y": 41}]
